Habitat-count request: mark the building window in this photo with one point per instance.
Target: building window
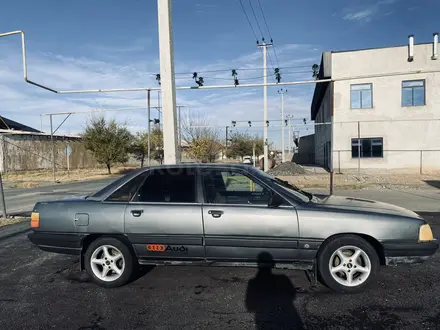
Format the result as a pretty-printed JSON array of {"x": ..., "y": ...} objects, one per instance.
[
  {"x": 367, "y": 148},
  {"x": 361, "y": 96},
  {"x": 413, "y": 93}
]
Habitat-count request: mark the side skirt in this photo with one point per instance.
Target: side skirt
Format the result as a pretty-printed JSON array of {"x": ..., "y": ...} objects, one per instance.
[{"x": 283, "y": 265}]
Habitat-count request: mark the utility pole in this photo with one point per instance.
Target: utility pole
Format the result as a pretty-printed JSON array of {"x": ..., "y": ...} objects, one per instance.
[
  {"x": 289, "y": 118},
  {"x": 149, "y": 126},
  {"x": 168, "y": 84},
  {"x": 283, "y": 151},
  {"x": 53, "y": 149},
  {"x": 226, "y": 141},
  {"x": 180, "y": 133},
  {"x": 2, "y": 198},
  {"x": 266, "y": 142},
  {"x": 253, "y": 154}
]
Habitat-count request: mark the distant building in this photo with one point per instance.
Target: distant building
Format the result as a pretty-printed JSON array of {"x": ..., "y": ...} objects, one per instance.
[
  {"x": 305, "y": 154},
  {"x": 26, "y": 148},
  {"x": 384, "y": 108}
]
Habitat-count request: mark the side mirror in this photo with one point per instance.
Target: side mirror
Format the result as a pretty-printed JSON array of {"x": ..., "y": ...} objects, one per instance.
[{"x": 275, "y": 200}]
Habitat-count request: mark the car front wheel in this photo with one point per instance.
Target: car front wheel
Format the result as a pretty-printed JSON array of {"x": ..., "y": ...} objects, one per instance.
[
  {"x": 347, "y": 263},
  {"x": 109, "y": 262}
]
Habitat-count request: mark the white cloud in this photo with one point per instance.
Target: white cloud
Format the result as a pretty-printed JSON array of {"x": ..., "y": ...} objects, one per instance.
[
  {"x": 366, "y": 13},
  {"x": 24, "y": 103}
]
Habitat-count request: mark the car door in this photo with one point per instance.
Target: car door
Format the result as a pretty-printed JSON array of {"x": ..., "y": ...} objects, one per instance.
[
  {"x": 239, "y": 225},
  {"x": 164, "y": 220}
]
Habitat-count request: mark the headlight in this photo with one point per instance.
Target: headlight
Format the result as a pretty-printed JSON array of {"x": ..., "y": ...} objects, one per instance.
[{"x": 425, "y": 233}]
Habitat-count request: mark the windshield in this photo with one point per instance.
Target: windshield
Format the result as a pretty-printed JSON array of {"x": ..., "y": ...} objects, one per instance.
[{"x": 304, "y": 195}]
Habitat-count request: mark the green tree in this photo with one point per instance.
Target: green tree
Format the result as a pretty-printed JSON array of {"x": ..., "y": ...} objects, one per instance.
[
  {"x": 139, "y": 145},
  {"x": 156, "y": 144},
  {"x": 108, "y": 141},
  {"x": 202, "y": 139},
  {"x": 242, "y": 144}
]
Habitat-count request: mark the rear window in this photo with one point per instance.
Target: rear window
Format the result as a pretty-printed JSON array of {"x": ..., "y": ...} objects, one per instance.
[
  {"x": 128, "y": 190},
  {"x": 168, "y": 186},
  {"x": 115, "y": 184}
]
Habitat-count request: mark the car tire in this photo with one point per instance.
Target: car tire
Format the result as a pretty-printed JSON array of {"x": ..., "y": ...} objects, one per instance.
[
  {"x": 347, "y": 264},
  {"x": 109, "y": 262}
]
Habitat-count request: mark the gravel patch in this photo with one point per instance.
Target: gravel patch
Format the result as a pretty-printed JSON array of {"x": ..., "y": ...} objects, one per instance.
[{"x": 288, "y": 169}]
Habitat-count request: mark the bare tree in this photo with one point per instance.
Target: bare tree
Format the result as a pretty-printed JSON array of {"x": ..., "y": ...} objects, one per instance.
[{"x": 202, "y": 138}]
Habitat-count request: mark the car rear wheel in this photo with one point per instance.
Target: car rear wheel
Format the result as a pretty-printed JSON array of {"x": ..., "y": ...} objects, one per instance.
[
  {"x": 109, "y": 262},
  {"x": 347, "y": 264}
]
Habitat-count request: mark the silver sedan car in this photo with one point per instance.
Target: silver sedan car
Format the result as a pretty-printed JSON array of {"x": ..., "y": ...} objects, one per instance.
[{"x": 228, "y": 215}]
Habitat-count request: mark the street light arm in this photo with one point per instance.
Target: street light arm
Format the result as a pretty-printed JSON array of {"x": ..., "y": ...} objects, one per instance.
[{"x": 139, "y": 89}]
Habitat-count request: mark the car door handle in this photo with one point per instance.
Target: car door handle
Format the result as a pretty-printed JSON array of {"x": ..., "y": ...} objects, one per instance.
[
  {"x": 136, "y": 213},
  {"x": 215, "y": 213}
]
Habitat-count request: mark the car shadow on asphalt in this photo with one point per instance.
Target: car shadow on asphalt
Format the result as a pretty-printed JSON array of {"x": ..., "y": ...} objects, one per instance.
[
  {"x": 140, "y": 272},
  {"x": 270, "y": 297}
]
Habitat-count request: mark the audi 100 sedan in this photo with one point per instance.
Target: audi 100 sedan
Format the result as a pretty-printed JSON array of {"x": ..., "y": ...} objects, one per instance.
[{"x": 228, "y": 215}]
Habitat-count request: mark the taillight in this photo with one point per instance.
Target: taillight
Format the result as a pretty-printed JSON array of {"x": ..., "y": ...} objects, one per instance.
[{"x": 35, "y": 220}]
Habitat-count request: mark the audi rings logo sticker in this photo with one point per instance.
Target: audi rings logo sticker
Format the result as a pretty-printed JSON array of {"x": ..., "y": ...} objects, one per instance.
[
  {"x": 156, "y": 247},
  {"x": 168, "y": 248}
]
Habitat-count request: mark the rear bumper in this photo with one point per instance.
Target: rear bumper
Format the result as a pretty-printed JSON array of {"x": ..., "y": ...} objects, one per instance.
[
  {"x": 57, "y": 242},
  {"x": 398, "y": 252}
]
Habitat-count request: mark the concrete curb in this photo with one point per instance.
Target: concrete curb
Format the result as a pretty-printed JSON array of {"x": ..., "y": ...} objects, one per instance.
[{"x": 14, "y": 229}]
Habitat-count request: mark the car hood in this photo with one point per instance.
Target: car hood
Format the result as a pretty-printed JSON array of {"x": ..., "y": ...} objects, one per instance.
[{"x": 364, "y": 205}]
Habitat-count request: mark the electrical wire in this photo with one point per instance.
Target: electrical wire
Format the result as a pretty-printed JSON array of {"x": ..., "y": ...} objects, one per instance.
[
  {"x": 256, "y": 20},
  {"x": 268, "y": 30},
  {"x": 262, "y": 34},
  {"x": 247, "y": 17},
  {"x": 244, "y": 79},
  {"x": 241, "y": 69}
]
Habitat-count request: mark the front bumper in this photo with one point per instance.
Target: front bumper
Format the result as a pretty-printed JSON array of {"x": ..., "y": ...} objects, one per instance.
[
  {"x": 398, "y": 252},
  {"x": 65, "y": 243}
]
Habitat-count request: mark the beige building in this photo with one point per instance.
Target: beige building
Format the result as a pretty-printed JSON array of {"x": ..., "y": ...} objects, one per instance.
[{"x": 381, "y": 110}]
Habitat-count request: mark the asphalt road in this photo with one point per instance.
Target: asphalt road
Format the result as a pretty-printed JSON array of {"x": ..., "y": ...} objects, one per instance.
[
  {"x": 22, "y": 200},
  {"x": 41, "y": 290}
]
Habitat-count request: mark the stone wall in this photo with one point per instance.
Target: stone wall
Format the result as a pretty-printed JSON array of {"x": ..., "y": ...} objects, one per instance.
[{"x": 25, "y": 152}]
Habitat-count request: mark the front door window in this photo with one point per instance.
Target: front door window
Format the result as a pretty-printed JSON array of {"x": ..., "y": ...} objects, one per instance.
[{"x": 231, "y": 187}]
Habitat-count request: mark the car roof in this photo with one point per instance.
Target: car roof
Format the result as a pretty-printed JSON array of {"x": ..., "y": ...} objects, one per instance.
[{"x": 196, "y": 165}]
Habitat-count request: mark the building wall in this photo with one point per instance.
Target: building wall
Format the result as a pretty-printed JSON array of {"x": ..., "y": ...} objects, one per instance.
[
  {"x": 323, "y": 132},
  {"x": 410, "y": 135},
  {"x": 34, "y": 152},
  {"x": 306, "y": 150}
]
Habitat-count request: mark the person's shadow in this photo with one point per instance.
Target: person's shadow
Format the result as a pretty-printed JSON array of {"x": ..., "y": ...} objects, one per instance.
[{"x": 270, "y": 297}]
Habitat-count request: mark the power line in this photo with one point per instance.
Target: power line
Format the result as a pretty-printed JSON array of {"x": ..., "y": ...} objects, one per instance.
[
  {"x": 256, "y": 20},
  {"x": 268, "y": 30},
  {"x": 262, "y": 34},
  {"x": 242, "y": 79},
  {"x": 247, "y": 17},
  {"x": 270, "y": 60},
  {"x": 246, "y": 69}
]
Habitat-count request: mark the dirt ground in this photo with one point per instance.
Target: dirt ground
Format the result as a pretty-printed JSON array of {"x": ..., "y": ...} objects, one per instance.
[
  {"x": 33, "y": 179},
  {"x": 315, "y": 178},
  {"x": 10, "y": 221},
  {"x": 351, "y": 181}
]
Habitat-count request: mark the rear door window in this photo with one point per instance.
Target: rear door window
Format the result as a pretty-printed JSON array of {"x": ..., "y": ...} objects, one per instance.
[{"x": 168, "y": 186}]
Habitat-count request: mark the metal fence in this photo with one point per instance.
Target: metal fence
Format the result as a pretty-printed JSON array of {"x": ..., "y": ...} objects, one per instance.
[{"x": 410, "y": 145}]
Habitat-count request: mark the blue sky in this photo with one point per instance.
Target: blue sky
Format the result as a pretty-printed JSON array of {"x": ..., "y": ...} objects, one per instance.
[{"x": 110, "y": 44}]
